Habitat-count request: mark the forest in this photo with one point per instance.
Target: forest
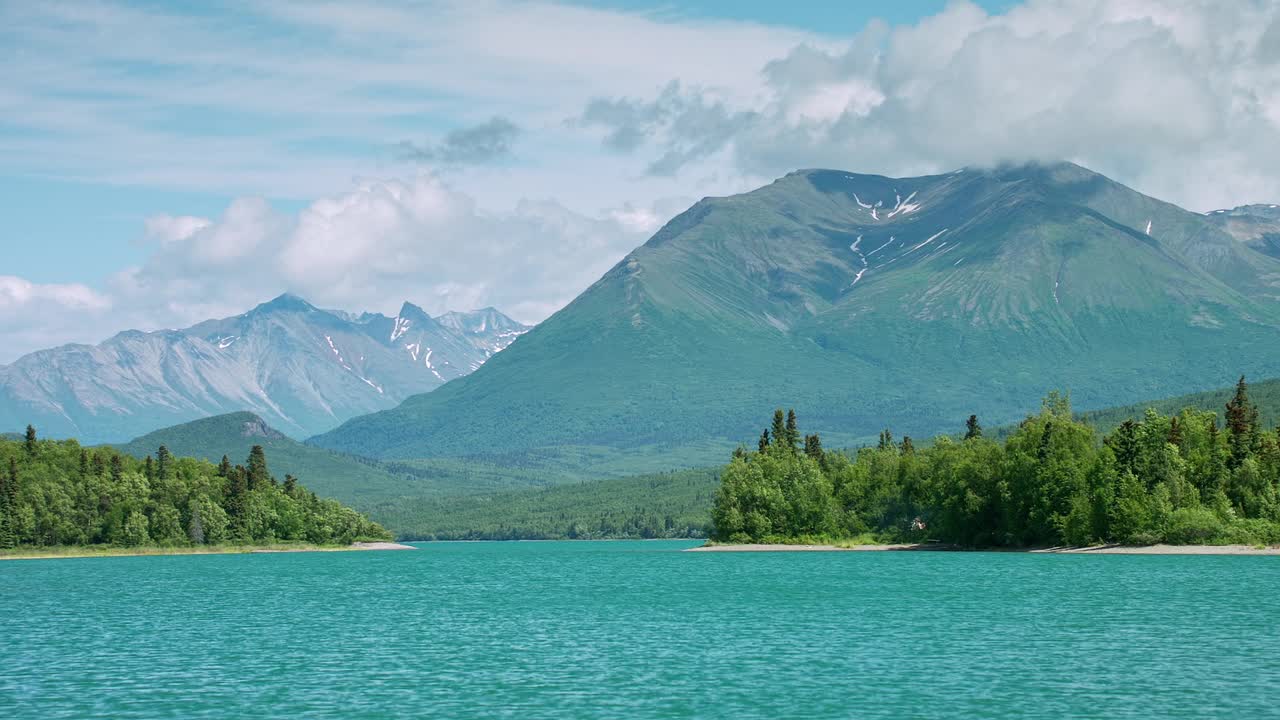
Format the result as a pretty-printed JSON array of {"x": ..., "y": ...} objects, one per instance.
[
  {"x": 661, "y": 505},
  {"x": 58, "y": 493},
  {"x": 1051, "y": 481}
]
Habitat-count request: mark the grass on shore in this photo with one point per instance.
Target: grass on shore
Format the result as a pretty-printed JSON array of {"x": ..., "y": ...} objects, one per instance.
[{"x": 81, "y": 551}]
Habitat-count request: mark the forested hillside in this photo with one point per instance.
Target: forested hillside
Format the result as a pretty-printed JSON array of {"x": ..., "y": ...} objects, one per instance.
[
  {"x": 672, "y": 504},
  {"x": 60, "y": 493}
]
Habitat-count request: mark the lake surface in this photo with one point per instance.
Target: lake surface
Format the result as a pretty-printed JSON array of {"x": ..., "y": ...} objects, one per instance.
[{"x": 639, "y": 630}]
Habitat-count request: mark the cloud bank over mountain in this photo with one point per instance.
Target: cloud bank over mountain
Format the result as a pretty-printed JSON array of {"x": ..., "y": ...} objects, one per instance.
[{"x": 506, "y": 153}]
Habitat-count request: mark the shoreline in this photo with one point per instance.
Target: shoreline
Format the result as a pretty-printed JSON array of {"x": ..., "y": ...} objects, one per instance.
[
  {"x": 1159, "y": 549},
  {"x": 99, "y": 551}
]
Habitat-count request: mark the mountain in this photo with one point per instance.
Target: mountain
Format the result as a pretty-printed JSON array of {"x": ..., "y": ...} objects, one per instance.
[
  {"x": 863, "y": 301},
  {"x": 301, "y": 368},
  {"x": 1256, "y": 225},
  {"x": 355, "y": 480},
  {"x": 329, "y": 474}
]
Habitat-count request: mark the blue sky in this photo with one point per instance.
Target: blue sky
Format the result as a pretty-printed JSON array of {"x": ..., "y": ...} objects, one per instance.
[
  {"x": 104, "y": 232},
  {"x": 165, "y": 163}
]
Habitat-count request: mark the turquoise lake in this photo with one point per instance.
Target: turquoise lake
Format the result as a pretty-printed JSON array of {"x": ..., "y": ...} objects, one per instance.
[{"x": 639, "y": 630}]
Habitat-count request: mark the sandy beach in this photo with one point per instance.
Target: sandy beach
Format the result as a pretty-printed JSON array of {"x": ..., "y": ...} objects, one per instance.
[
  {"x": 759, "y": 547},
  {"x": 381, "y": 546},
  {"x": 1093, "y": 550}
]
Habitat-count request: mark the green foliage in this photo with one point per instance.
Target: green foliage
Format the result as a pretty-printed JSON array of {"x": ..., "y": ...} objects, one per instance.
[
  {"x": 1052, "y": 481},
  {"x": 58, "y": 493}
]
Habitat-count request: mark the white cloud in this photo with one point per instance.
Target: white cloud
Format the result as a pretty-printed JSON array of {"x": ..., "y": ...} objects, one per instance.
[
  {"x": 1181, "y": 100},
  {"x": 18, "y": 294},
  {"x": 372, "y": 247},
  {"x": 36, "y": 315}
]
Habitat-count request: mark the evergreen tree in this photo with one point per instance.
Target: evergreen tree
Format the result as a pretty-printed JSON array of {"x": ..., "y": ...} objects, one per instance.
[
  {"x": 1124, "y": 443},
  {"x": 117, "y": 469},
  {"x": 237, "y": 499},
  {"x": 907, "y": 447},
  {"x": 224, "y": 468},
  {"x": 972, "y": 429},
  {"x": 1046, "y": 441},
  {"x": 291, "y": 482},
  {"x": 164, "y": 460},
  {"x": 99, "y": 465},
  {"x": 813, "y": 447},
  {"x": 148, "y": 469},
  {"x": 8, "y": 505},
  {"x": 1242, "y": 422},
  {"x": 1175, "y": 433},
  {"x": 29, "y": 444},
  {"x": 764, "y": 442},
  {"x": 84, "y": 463},
  {"x": 793, "y": 430},
  {"x": 779, "y": 430},
  {"x": 886, "y": 440},
  {"x": 258, "y": 475}
]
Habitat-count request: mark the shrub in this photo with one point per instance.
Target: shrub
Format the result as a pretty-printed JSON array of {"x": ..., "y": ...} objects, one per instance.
[{"x": 1193, "y": 525}]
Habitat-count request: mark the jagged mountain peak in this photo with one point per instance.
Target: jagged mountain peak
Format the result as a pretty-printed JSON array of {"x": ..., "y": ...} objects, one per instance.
[
  {"x": 298, "y": 367},
  {"x": 285, "y": 302}
]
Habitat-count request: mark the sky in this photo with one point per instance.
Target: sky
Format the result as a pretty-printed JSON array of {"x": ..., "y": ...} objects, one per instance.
[{"x": 164, "y": 163}]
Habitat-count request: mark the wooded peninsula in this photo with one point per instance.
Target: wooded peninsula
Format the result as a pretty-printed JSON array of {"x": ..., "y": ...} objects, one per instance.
[
  {"x": 59, "y": 494},
  {"x": 1178, "y": 479}
]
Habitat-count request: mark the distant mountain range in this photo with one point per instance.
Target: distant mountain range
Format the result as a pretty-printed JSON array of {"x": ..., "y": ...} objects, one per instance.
[
  {"x": 303, "y": 369},
  {"x": 865, "y": 301}
]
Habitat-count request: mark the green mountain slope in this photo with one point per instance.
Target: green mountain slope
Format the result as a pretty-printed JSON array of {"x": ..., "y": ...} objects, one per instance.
[
  {"x": 862, "y": 300},
  {"x": 371, "y": 485},
  {"x": 344, "y": 477},
  {"x": 1265, "y": 394},
  {"x": 664, "y": 505}
]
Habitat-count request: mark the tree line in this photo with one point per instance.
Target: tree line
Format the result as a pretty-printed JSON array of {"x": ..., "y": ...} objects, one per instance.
[
  {"x": 1054, "y": 480},
  {"x": 60, "y": 493}
]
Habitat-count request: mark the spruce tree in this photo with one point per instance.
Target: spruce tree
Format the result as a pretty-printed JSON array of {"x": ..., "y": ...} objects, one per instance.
[
  {"x": 1046, "y": 439},
  {"x": 971, "y": 428},
  {"x": 779, "y": 430},
  {"x": 1242, "y": 421},
  {"x": 237, "y": 498},
  {"x": 29, "y": 444},
  {"x": 886, "y": 440},
  {"x": 8, "y": 504},
  {"x": 224, "y": 467},
  {"x": 793, "y": 430},
  {"x": 117, "y": 469},
  {"x": 84, "y": 463},
  {"x": 764, "y": 441},
  {"x": 148, "y": 469},
  {"x": 1124, "y": 443},
  {"x": 813, "y": 447},
  {"x": 907, "y": 447},
  {"x": 164, "y": 461},
  {"x": 258, "y": 475},
  {"x": 1175, "y": 432},
  {"x": 291, "y": 482}
]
